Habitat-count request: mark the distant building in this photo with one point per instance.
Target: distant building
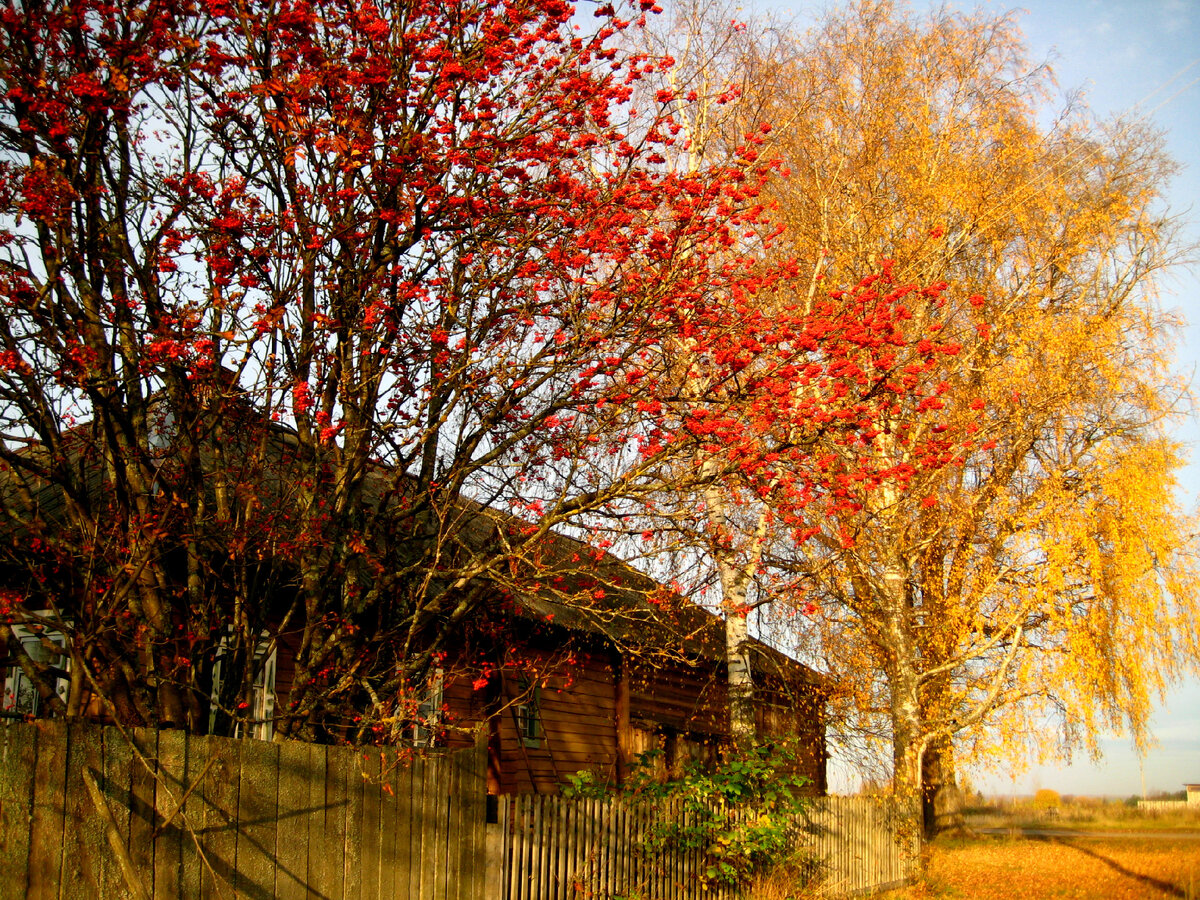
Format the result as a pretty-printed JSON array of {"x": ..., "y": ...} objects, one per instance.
[{"x": 1193, "y": 794}]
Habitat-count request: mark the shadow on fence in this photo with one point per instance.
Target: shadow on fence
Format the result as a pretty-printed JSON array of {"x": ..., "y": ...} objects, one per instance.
[
  {"x": 86, "y": 813},
  {"x": 212, "y": 817}
]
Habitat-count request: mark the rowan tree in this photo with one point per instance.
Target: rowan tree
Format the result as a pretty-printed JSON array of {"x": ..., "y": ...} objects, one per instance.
[
  {"x": 1027, "y": 580},
  {"x": 319, "y": 318},
  {"x": 706, "y": 70}
]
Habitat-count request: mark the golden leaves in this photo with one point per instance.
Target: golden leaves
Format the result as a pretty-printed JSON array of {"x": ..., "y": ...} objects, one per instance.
[
  {"x": 1040, "y": 567},
  {"x": 1079, "y": 868}
]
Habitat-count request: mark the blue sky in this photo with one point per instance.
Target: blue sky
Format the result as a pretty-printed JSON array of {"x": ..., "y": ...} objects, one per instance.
[{"x": 1140, "y": 56}]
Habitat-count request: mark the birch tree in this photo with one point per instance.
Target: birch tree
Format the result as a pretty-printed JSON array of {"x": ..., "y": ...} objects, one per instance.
[{"x": 1026, "y": 582}]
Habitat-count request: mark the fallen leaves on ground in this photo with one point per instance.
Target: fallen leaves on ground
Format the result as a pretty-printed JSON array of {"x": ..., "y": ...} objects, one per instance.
[{"x": 1064, "y": 868}]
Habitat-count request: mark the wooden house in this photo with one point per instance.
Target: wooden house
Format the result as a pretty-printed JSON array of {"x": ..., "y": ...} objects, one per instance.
[
  {"x": 562, "y": 679},
  {"x": 604, "y": 688},
  {"x": 561, "y": 689}
]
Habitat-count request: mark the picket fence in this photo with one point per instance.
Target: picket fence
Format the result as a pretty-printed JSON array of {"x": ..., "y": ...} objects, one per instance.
[
  {"x": 1167, "y": 806},
  {"x": 89, "y": 812},
  {"x": 555, "y": 848}
]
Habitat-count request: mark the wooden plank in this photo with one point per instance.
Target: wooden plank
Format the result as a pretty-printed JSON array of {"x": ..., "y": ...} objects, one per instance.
[
  {"x": 219, "y": 791},
  {"x": 192, "y": 820},
  {"x": 393, "y": 806},
  {"x": 473, "y": 798},
  {"x": 117, "y": 770},
  {"x": 257, "y": 816},
  {"x": 533, "y": 838},
  {"x": 168, "y": 847},
  {"x": 633, "y": 828},
  {"x": 372, "y": 826},
  {"x": 46, "y": 825},
  {"x": 566, "y": 857},
  {"x": 523, "y": 869},
  {"x": 141, "y": 798},
  {"x": 584, "y": 846},
  {"x": 459, "y": 849},
  {"x": 476, "y": 860},
  {"x": 576, "y": 715},
  {"x": 603, "y": 832},
  {"x": 333, "y": 849},
  {"x": 516, "y": 854},
  {"x": 84, "y": 844},
  {"x": 18, "y": 754},
  {"x": 492, "y": 862},
  {"x": 291, "y": 878},
  {"x": 588, "y": 846},
  {"x": 448, "y": 816},
  {"x": 315, "y": 819},
  {"x": 430, "y": 833},
  {"x": 542, "y": 834},
  {"x": 558, "y": 861},
  {"x": 352, "y": 851}
]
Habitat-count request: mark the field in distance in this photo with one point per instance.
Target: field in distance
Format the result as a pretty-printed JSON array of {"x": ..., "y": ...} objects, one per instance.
[{"x": 1048, "y": 811}]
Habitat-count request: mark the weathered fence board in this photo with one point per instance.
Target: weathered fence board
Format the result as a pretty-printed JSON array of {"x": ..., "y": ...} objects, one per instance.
[
  {"x": 560, "y": 849},
  {"x": 210, "y": 817},
  {"x": 860, "y": 844},
  {"x": 18, "y": 751},
  {"x": 291, "y": 856},
  {"x": 49, "y": 809}
]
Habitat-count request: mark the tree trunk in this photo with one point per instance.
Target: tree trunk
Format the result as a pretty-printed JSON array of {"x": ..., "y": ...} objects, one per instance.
[
  {"x": 903, "y": 693},
  {"x": 941, "y": 800},
  {"x": 737, "y": 658},
  {"x": 903, "y": 681},
  {"x": 735, "y": 574}
]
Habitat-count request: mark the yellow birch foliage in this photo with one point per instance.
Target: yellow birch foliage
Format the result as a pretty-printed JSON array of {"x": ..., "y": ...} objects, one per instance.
[{"x": 1047, "y": 570}]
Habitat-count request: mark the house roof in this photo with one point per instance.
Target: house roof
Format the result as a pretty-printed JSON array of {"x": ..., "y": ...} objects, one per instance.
[
  {"x": 578, "y": 588},
  {"x": 636, "y": 613}
]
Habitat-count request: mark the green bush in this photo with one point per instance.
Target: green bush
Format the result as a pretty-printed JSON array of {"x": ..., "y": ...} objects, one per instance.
[{"x": 743, "y": 815}]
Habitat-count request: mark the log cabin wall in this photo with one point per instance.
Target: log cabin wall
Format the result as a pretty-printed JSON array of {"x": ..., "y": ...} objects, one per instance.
[
  {"x": 575, "y": 730},
  {"x": 596, "y": 710},
  {"x": 687, "y": 699},
  {"x": 546, "y": 719}
]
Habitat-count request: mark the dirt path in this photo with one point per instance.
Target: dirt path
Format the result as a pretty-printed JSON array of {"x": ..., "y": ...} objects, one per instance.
[{"x": 1068, "y": 833}]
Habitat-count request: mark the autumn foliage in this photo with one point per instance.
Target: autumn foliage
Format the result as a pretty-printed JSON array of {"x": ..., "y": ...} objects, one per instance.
[
  {"x": 1022, "y": 588},
  {"x": 322, "y": 319},
  {"x": 338, "y": 327}
]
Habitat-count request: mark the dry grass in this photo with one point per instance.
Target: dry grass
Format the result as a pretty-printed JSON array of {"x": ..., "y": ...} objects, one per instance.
[{"x": 1071, "y": 868}]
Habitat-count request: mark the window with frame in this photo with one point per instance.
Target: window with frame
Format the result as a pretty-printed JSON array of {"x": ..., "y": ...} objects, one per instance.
[
  {"x": 429, "y": 711},
  {"x": 528, "y": 715},
  {"x": 258, "y": 721},
  {"x": 21, "y": 695}
]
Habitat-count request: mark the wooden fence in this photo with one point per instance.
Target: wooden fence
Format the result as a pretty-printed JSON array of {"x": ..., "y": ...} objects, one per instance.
[
  {"x": 1168, "y": 806},
  {"x": 560, "y": 849},
  {"x": 554, "y": 848},
  {"x": 861, "y": 844},
  {"x": 85, "y": 813},
  {"x": 212, "y": 817}
]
